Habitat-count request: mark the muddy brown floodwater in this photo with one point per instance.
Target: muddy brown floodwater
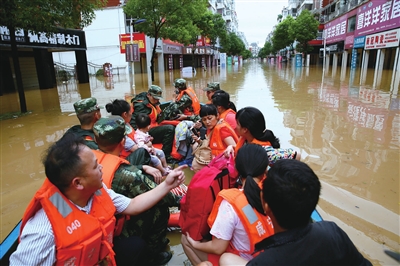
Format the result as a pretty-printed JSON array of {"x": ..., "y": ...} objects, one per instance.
[{"x": 348, "y": 134}]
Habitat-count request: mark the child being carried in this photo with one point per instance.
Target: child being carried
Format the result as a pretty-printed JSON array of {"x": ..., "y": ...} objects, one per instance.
[{"x": 143, "y": 140}]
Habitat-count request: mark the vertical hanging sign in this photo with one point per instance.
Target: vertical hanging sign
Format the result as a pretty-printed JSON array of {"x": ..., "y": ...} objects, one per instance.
[
  {"x": 132, "y": 52},
  {"x": 353, "y": 59}
]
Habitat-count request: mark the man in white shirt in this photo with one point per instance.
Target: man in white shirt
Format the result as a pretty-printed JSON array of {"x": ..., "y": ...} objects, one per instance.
[{"x": 76, "y": 178}]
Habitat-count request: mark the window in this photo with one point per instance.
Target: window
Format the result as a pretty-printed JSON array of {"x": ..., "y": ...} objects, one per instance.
[{"x": 351, "y": 24}]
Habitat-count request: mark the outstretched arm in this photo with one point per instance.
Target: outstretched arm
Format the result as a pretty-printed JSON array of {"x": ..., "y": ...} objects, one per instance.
[{"x": 147, "y": 200}]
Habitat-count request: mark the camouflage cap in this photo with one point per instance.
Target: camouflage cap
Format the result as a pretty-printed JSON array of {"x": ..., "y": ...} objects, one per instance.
[
  {"x": 155, "y": 91},
  {"x": 87, "y": 105},
  {"x": 212, "y": 86},
  {"x": 180, "y": 84},
  {"x": 112, "y": 128}
]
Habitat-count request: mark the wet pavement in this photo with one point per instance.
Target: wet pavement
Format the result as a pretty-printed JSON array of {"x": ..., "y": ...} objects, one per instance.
[{"x": 347, "y": 133}]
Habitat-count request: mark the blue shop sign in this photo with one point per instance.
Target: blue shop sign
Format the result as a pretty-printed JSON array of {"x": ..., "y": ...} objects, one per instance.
[
  {"x": 353, "y": 59},
  {"x": 359, "y": 42},
  {"x": 299, "y": 60}
]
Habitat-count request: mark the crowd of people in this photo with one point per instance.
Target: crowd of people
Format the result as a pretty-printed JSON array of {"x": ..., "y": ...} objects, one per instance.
[{"x": 107, "y": 194}]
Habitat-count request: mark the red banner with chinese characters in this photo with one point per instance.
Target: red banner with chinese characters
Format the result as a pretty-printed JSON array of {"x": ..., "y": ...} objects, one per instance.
[{"x": 138, "y": 38}]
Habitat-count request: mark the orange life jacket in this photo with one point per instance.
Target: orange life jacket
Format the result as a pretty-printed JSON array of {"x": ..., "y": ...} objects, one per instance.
[
  {"x": 110, "y": 164},
  {"x": 257, "y": 226},
  {"x": 195, "y": 101},
  {"x": 217, "y": 144},
  {"x": 242, "y": 140},
  {"x": 131, "y": 135},
  {"x": 225, "y": 113},
  {"x": 88, "y": 138},
  {"x": 80, "y": 238},
  {"x": 155, "y": 111}
]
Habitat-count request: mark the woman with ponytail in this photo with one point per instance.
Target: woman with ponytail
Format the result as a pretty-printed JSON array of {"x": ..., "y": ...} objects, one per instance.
[
  {"x": 250, "y": 127},
  {"x": 237, "y": 219}
]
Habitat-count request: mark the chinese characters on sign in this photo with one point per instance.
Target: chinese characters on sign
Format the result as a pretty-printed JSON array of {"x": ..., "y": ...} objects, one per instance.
[
  {"x": 336, "y": 30},
  {"x": 383, "y": 39},
  {"x": 373, "y": 16},
  {"x": 64, "y": 39},
  {"x": 138, "y": 38},
  {"x": 377, "y": 15},
  {"x": 55, "y": 38}
]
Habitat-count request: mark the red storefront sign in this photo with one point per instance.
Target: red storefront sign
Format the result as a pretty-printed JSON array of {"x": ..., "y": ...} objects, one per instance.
[
  {"x": 138, "y": 38},
  {"x": 384, "y": 39}
]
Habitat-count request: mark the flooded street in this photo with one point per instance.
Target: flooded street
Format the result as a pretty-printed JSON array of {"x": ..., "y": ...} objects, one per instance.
[{"x": 349, "y": 134}]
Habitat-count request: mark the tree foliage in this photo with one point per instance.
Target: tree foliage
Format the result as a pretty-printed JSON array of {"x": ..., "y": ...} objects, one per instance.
[
  {"x": 266, "y": 50},
  {"x": 304, "y": 30},
  {"x": 281, "y": 37},
  {"x": 168, "y": 19},
  {"x": 233, "y": 45},
  {"x": 207, "y": 25},
  {"x": 218, "y": 29},
  {"x": 246, "y": 54},
  {"x": 45, "y": 15}
]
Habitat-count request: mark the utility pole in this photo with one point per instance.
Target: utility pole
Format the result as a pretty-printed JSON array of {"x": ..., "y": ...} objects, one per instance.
[
  {"x": 132, "y": 63},
  {"x": 134, "y": 21},
  {"x": 324, "y": 36}
]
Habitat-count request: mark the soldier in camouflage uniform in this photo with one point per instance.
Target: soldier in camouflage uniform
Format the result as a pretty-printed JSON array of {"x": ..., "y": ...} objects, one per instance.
[
  {"x": 88, "y": 112},
  {"x": 185, "y": 107},
  {"x": 211, "y": 88},
  {"x": 128, "y": 180},
  {"x": 148, "y": 103}
]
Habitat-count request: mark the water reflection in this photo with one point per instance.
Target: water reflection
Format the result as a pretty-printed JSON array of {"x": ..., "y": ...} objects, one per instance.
[{"x": 348, "y": 133}]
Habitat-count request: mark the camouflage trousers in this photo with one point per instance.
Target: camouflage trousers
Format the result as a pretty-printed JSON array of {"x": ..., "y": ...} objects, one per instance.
[{"x": 151, "y": 226}]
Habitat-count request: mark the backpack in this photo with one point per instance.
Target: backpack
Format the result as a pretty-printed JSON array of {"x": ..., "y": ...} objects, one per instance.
[{"x": 202, "y": 191}]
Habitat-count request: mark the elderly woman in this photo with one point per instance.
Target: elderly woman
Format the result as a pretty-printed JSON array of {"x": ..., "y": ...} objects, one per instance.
[
  {"x": 250, "y": 126},
  {"x": 219, "y": 134}
]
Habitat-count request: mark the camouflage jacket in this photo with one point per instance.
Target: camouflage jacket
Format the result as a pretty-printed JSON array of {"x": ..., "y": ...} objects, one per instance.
[
  {"x": 131, "y": 182},
  {"x": 87, "y": 135},
  {"x": 175, "y": 108},
  {"x": 140, "y": 105}
]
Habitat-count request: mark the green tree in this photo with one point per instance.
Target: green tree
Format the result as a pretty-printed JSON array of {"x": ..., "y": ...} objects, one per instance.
[
  {"x": 304, "y": 30},
  {"x": 218, "y": 29},
  {"x": 44, "y": 16},
  {"x": 168, "y": 19},
  {"x": 281, "y": 37},
  {"x": 246, "y": 54},
  {"x": 266, "y": 50},
  {"x": 204, "y": 27},
  {"x": 233, "y": 45}
]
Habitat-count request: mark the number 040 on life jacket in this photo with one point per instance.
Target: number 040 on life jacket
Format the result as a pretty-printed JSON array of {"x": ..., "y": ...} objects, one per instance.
[{"x": 80, "y": 238}]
